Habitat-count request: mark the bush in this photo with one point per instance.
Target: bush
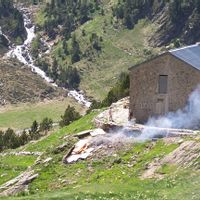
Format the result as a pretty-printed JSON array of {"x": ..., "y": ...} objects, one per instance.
[
  {"x": 69, "y": 116},
  {"x": 34, "y": 131},
  {"x": 46, "y": 124}
]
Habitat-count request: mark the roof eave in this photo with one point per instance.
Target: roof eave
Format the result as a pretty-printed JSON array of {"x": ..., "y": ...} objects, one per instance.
[{"x": 148, "y": 60}]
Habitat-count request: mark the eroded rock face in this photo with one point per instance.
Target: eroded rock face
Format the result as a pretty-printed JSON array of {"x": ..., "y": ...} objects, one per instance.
[{"x": 185, "y": 155}]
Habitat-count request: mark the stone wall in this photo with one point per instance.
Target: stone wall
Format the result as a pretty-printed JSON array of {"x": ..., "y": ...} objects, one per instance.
[{"x": 145, "y": 100}]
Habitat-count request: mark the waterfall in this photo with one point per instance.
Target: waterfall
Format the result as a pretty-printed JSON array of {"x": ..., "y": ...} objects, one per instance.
[{"x": 22, "y": 53}]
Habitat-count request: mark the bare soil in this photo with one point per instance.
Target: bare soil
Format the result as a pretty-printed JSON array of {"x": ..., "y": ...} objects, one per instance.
[{"x": 18, "y": 84}]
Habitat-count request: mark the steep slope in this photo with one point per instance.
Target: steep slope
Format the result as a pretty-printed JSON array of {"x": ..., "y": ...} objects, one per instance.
[
  {"x": 19, "y": 84},
  {"x": 110, "y": 37},
  {"x": 104, "y": 47},
  {"x": 97, "y": 40},
  {"x": 174, "y": 19},
  {"x": 178, "y": 22},
  {"x": 11, "y": 22}
]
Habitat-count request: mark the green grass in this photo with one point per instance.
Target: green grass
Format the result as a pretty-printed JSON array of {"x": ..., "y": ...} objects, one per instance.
[
  {"x": 166, "y": 169},
  {"x": 105, "y": 172},
  {"x": 102, "y": 178},
  {"x": 121, "y": 48},
  {"x": 54, "y": 139},
  {"x": 11, "y": 166},
  {"x": 40, "y": 18},
  {"x": 183, "y": 186},
  {"x": 21, "y": 116},
  {"x": 111, "y": 181}
]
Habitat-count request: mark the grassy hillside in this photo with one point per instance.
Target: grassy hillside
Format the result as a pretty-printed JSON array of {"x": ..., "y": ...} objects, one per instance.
[
  {"x": 104, "y": 175},
  {"x": 22, "y": 115},
  {"x": 123, "y": 32},
  {"x": 120, "y": 49},
  {"x": 11, "y": 166},
  {"x": 108, "y": 177}
]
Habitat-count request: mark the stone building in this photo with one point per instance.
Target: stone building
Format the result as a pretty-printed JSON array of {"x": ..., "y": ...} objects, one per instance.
[{"x": 164, "y": 83}]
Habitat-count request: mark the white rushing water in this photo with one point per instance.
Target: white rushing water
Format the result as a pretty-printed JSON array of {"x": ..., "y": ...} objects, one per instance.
[
  {"x": 22, "y": 53},
  {"x": 79, "y": 96}
]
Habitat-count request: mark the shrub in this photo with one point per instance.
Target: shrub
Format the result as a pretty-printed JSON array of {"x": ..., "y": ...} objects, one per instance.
[
  {"x": 46, "y": 124},
  {"x": 69, "y": 116}
]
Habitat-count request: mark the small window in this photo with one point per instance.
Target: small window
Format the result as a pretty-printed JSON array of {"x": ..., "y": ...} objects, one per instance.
[{"x": 163, "y": 81}]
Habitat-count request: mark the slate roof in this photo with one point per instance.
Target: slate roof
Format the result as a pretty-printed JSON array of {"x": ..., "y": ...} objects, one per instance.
[{"x": 189, "y": 54}]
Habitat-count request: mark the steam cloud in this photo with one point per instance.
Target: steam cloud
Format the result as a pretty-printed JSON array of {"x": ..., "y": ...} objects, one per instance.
[{"x": 186, "y": 118}]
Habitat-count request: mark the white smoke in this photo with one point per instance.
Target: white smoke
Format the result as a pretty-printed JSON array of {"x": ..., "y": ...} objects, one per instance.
[{"x": 187, "y": 118}]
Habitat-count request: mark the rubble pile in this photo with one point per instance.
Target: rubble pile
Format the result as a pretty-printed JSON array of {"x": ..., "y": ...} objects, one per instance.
[
  {"x": 115, "y": 132},
  {"x": 96, "y": 143},
  {"x": 84, "y": 147}
]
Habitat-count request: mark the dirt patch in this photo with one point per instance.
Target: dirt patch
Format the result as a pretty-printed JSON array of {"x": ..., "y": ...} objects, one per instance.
[{"x": 19, "y": 84}]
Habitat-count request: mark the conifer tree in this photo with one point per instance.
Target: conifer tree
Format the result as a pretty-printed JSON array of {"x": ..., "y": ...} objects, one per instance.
[{"x": 75, "y": 57}]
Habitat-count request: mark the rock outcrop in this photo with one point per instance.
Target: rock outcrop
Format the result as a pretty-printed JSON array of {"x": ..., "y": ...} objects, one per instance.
[{"x": 18, "y": 184}]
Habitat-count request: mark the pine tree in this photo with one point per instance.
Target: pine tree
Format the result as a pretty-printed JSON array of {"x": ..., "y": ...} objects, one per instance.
[
  {"x": 34, "y": 130},
  {"x": 54, "y": 70},
  {"x": 10, "y": 139},
  {"x": 23, "y": 138},
  {"x": 1, "y": 140},
  {"x": 75, "y": 50},
  {"x": 65, "y": 47},
  {"x": 46, "y": 124},
  {"x": 69, "y": 116}
]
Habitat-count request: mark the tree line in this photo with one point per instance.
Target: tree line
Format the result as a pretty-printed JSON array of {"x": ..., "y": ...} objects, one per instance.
[
  {"x": 11, "y": 140},
  {"x": 130, "y": 11},
  {"x": 11, "y": 21},
  {"x": 69, "y": 14}
]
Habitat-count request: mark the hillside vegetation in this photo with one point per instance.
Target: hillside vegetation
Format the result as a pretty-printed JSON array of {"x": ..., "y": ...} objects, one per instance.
[
  {"x": 22, "y": 115},
  {"x": 177, "y": 20},
  {"x": 92, "y": 44},
  {"x": 106, "y": 37},
  {"x": 116, "y": 176},
  {"x": 94, "y": 41},
  {"x": 11, "y": 23},
  {"x": 98, "y": 47}
]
